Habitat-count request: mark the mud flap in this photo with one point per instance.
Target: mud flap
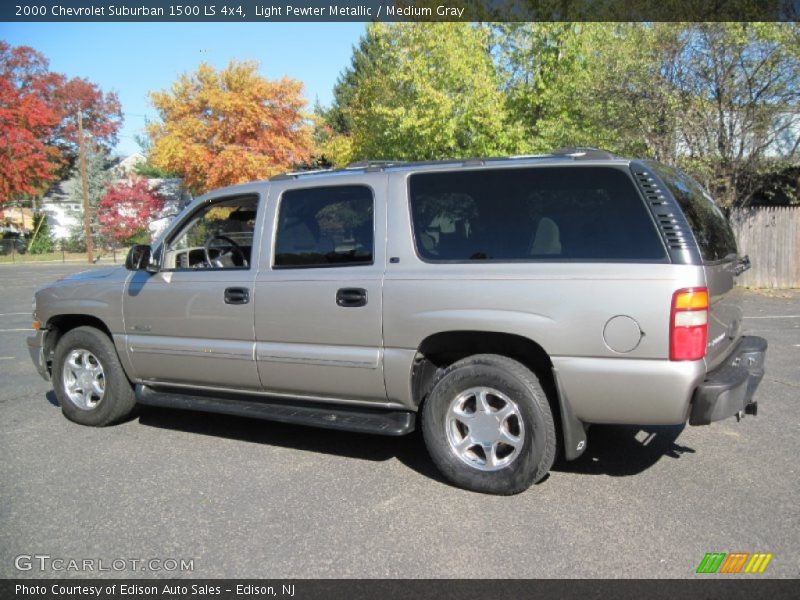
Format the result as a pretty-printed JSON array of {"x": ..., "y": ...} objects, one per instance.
[{"x": 572, "y": 428}]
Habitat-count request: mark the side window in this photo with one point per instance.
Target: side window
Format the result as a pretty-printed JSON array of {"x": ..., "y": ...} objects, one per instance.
[
  {"x": 710, "y": 227},
  {"x": 540, "y": 213},
  {"x": 325, "y": 227},
  {"x": 216, "y": 236}
]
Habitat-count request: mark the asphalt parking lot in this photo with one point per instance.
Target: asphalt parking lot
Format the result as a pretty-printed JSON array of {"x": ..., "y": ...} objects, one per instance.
[{"x": 252, "y": 498}]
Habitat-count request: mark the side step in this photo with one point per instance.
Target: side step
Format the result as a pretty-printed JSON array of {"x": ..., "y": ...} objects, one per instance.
[{"x": 316, "y": 414}]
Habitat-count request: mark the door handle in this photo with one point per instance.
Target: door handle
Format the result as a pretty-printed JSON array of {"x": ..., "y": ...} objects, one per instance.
[
  {"x": 351, "y": 297},
  {"x": 237, "y": 295}
]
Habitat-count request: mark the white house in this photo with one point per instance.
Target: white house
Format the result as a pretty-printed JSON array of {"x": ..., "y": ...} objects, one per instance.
[{"x": 65, "y": 215}]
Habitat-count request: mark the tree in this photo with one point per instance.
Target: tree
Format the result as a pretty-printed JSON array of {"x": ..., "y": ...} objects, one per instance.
[
  {"x": 102, "y": 118},
  {"x": 38, "y": 121},
  {"x": 98, "y": 176},
  {"x": 363, "y": 66},
  {"x": 145, "y": 168},
  {"x": 223, "y": 127},
  {"x": 41, "y": 241},
  {"x": 430, "y": 91},
  {"x": 127, "y": 208},
  {"x": 27, "y": 119},
  {"x": 715, "y": 98},
  {"x": 742, "y": 81}
]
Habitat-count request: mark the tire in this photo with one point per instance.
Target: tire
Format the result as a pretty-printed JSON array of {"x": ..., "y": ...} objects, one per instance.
[
  {"x": 499, "y": 402},
  {"x": 78, "y": 382}
]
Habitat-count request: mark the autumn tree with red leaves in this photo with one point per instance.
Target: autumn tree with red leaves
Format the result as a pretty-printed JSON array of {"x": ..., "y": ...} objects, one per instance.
[
  {"x": 127, "y": 208},
  {"x": 223, "y": 127},
  {"x": 27, "y": 119},
  {"x": 38, "y": 121}
]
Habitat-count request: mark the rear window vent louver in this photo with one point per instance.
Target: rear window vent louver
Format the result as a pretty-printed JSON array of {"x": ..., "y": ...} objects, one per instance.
[{"x": 672, "y": 228}]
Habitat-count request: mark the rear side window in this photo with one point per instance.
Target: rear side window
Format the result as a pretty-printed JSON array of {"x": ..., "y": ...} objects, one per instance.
[
  {"x": 709, "y": 226},
  {"x": 325, "y": 227},
  {"x": 542, "y": 213}
]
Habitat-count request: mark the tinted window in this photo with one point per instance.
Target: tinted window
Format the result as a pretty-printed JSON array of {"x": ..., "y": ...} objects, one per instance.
[
  {"x": 710, "y": 227},
  {"x": 542, "y": 213},
  {"x": 325, "y": 226}
]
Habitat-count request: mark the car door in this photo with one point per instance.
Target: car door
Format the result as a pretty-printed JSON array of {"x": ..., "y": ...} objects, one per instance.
[
  {"x": 319, "y": 290},
  {"x": 191, "y": 323}
]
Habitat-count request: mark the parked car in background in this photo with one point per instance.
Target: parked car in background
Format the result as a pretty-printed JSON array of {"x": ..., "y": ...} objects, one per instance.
[{"x": 13, "y": 244}]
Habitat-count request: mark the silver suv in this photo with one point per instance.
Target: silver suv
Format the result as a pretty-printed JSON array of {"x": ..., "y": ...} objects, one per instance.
[{"x": 501, "y": 305}]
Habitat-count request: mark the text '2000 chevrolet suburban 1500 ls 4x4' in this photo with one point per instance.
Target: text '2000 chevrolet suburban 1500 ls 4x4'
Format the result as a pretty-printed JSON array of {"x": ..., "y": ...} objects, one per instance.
[{"x": 502, "y": 305}]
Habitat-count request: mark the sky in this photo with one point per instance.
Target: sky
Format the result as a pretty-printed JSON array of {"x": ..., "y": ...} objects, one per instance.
[{"x": 133, "y": 59}]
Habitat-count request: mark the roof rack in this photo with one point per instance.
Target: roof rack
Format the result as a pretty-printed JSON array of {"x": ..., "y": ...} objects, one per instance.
[
  {"x": 584, "y": 153},
  {"x": 296, "y": 174},
  {"x": 573, "y": 152},
  {"x": 374, "y": 164}
]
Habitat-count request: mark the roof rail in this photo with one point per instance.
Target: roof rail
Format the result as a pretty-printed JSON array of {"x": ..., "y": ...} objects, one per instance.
[
  {"x": 584, "y": 153},
  {"x": 374, "y": 164},
  {"x": 296, "y": 174}
]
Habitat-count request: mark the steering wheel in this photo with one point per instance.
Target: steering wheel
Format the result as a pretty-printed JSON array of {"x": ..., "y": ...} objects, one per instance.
[{"x": 225, "y": 257}]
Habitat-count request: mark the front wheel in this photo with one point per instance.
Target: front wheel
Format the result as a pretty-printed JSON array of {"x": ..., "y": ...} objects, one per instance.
[
  {"x": 488, "y": 426},
  {"x": 88, "y": 379}
]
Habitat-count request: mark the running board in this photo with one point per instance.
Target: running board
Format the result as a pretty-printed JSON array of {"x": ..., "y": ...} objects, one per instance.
[{"x": 329, "y": 416}]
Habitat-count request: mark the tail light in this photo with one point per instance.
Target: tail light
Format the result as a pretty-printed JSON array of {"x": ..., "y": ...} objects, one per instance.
[{"x": 688, "y": 324}]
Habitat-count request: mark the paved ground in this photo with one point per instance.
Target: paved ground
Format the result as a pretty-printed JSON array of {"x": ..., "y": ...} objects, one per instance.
[{"x": 249, "y": 498}]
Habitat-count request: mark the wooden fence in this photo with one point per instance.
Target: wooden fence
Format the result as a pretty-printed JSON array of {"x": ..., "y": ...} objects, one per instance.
[{"x": 771, "y": 237}]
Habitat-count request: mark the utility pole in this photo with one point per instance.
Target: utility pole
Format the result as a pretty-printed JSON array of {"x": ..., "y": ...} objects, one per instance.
[{"x": 87, "y": 218}]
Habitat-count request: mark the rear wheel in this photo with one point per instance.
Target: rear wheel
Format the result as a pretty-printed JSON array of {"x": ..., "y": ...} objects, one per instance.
[
  {"x": 488, "y": 426},
  {"x": 88, "y": 379}
]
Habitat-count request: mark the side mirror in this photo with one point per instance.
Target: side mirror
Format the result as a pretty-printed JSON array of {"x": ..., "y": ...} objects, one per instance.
[{"x": 138, "y": 259}]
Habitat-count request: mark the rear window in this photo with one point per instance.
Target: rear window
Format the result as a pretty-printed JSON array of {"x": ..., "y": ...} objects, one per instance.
[
  {"x": 709, "y": 226},
  {"x": 542, "y": 213}
]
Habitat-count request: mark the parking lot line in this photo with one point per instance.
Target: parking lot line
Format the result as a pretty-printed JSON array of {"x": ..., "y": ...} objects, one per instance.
[{"x": 12, "y": 330}]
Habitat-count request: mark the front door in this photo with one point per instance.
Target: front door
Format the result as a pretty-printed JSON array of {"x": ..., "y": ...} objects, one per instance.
[
  {"x": 319, "y": 291},
  {"x": 192, "y": 322}
]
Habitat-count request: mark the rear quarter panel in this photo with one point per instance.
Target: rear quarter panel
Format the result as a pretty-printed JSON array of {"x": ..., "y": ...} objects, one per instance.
[{"x": 562, "y": 306}]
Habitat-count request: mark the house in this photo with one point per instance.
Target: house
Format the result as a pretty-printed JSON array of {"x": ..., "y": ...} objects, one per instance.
[
  {"x": 63, "y": 213},
  {"x": 126, "y": 166},
  {"x": 64, "y": 209}
]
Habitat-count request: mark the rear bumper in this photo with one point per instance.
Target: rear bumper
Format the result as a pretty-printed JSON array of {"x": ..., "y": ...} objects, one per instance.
[{"x": 728, "y": 390}]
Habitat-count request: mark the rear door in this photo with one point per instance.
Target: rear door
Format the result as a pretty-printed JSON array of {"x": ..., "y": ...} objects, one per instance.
[
  {"x": 717, "y": 246},
  {"x": 318, "y": 291}
]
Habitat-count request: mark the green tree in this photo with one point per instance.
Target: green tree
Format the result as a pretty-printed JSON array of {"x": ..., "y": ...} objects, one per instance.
[
  {"x": 716, "y": 98},
  {"x": 428, "y": 91},
  {"x": 41, "y": 241},
  {"x": 363, "y": 66}
]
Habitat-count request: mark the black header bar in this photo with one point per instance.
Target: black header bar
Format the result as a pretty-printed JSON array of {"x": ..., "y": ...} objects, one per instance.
[
  {"x": 233, "y": 11},
  {"x": 709, "y": 588}
]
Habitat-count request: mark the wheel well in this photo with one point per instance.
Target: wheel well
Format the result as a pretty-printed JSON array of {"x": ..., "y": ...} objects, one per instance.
[
  {"x": 442, "y": 349},
  {"x": 60, "y": 324}
]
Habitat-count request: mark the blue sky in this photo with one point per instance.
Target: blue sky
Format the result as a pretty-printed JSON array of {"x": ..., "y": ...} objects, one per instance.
[{"x": 133, "y": 59}]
